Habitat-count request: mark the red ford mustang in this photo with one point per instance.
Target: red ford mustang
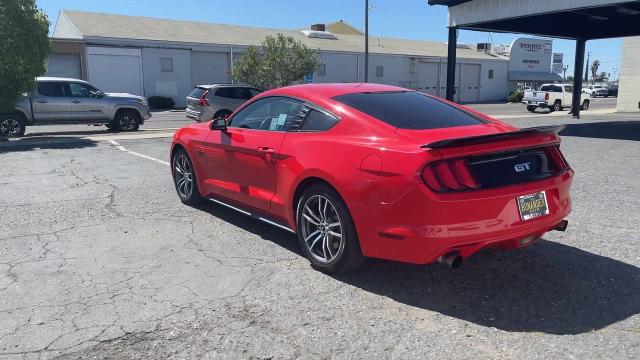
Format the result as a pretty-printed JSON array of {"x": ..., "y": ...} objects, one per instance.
[{"x": 367, "y": 170}]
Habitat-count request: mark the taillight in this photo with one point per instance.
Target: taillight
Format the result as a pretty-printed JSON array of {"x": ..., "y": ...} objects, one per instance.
[
  {"x": 450, "y": 175},
  {"x": 546, "y": 96},
  {"x": 553, "y": 153},
  {"x": 203, "y": 99}
]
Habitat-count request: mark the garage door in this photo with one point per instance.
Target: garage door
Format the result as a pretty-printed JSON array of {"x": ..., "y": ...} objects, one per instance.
[
  {"x": 209, "y": 68},
  {"x": 428, "y": 77},
  {"x": 64, "y": 65},
  {"x": 443, "y": 82},
  {"x": 470, "y": 83},
  {"x": 115, "y": 70}
]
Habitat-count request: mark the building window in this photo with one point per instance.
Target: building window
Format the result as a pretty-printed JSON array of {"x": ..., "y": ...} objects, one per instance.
[
  {"x": 379, "y": 71},
  {"x": 166, "y": 65},
  {"x": 322, "y": 70},
  {"x": 490, "y": 74}
]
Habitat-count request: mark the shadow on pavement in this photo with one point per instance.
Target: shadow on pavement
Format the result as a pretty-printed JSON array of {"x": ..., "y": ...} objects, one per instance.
[
  {"x": 43, "y": 143},
  {"x": 549, "y": 287},
  {"x": 77, "y": 132},
  {"x": 619, "y": 130}
]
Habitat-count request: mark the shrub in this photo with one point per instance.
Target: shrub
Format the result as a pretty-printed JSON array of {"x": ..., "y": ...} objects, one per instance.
[
  {"x": 161, "y": 102},
  {"x": 516, "y": 96}
]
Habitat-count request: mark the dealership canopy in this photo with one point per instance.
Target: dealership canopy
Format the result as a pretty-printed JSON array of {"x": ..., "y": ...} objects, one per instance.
[{"x": 581, "y": 20}]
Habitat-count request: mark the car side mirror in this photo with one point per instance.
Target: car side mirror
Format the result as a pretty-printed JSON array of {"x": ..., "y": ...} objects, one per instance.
[{"x": 218, "y": 124}]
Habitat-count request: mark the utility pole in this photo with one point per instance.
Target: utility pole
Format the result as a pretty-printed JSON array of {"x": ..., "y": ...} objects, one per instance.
[
  {"x": 586, "y": 69},
  {"x": 366, "y": 41},
  {"x": 564, "y": 71}
]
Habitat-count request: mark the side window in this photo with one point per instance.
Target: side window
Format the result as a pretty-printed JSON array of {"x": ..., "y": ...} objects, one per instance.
[
  {"x": 318, "y": 121},
  {"x": 226, "y": 93},
  {"x": 268, "y": 114},
  {"x": 82, "y": 90},
  {"x": 243, "y": 94},
  {"x": 568, "y": 89},
  {"x": 52, "y": 89}
]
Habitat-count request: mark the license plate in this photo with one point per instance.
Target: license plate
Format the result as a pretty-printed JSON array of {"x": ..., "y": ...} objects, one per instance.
[{"x": 533, "y": 205}]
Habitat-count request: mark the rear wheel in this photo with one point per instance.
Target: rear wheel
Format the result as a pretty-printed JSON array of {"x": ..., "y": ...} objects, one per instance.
[
  {"x": 127, "y": 121},
  {"x": 184, "y": 178},
  {"x": 531, "y": 108},
  {"x": 585, "y": 105},
  {"x": 557, "y": 106},
  {"x": 12, "y": 125},
  {"x": 326, "y": 232}
]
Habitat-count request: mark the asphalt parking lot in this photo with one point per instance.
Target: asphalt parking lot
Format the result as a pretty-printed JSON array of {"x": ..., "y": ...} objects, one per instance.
[{"x": 99, "y": 259}]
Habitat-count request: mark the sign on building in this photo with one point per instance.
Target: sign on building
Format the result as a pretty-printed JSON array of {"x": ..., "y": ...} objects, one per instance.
[
  {"x": 557, "y": 66},
  {"x": 531, "y": 55}
]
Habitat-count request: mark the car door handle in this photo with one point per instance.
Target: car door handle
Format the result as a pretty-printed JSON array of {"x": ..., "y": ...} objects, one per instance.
[
  {"x": 42, "y": 101},
  {"x": 76, "y": 102},
  {"x": 266, "y": 149}
]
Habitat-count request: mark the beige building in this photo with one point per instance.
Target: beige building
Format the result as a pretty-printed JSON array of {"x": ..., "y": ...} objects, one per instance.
[{"x": 629, "y": 88}]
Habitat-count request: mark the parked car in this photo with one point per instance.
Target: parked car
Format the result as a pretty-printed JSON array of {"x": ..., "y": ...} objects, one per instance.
[
  {"x": 613, "y": 91},
  {"x": 73, "y": 101},
  {"x": 597, "y": 90},
  {"x": 369, "y": 170},
  {"x": 207, "y": 102},
  {"x": 553, "y": 96}
]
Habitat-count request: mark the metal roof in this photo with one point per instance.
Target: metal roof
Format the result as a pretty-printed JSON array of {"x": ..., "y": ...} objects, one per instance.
[{"x": 94, "y": 26}]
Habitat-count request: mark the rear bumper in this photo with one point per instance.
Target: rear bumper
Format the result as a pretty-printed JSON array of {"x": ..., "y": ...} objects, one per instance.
[
  {"x": 421, "y": 226},
  {"x": 535, "y": 103},
  {"x": 198, "y": 116}
]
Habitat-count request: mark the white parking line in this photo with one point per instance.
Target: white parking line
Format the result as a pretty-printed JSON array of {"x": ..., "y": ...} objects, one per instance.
[{"x": 122, "y": 148}]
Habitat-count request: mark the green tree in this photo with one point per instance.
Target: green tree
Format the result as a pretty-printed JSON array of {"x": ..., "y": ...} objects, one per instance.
[
  {"x": 279, "y": 61},
  {"x": 594, "y": 70},
  {"x": 24, "y": 48}
]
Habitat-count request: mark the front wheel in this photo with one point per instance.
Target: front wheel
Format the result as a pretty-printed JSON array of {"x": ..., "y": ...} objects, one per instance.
[
  {"x": 326, "y": 231},
  {"x": 585, "y": 105},
  {"x": 127, "y": 121},
  {"x": 184, "y": 178},
  {"x": 12, "y": 126}
]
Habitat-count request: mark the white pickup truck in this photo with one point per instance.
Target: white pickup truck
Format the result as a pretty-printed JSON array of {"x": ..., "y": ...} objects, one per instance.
[{"x": 553, "y": 96}]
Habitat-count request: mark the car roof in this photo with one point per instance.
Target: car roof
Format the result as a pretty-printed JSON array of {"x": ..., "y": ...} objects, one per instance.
[
  {"x": 211, "y": 86},
  {"x": 330, "y": 90},
  {"x": 51, "y": 78}
]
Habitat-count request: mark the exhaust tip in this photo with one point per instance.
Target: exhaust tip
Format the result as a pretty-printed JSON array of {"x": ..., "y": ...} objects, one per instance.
[
  {"x": 562, "y": 225},
  {"x": 453, "y": 260}
]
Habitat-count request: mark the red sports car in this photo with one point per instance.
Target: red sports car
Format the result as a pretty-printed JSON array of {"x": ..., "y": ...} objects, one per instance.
[{"x": 368, "y": 170}]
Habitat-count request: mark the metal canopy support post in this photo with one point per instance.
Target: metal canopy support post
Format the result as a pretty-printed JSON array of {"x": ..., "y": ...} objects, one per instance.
[
  {"x": 366, "y": 41},
  {"x": 451, "y": 62},
  {"x": 577, "y": 78}
]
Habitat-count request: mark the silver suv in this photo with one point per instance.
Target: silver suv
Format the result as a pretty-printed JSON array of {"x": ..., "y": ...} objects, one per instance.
[{"x": 207, "y": 102}]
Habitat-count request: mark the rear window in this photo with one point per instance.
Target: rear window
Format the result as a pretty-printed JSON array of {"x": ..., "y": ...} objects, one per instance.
[
  {"x": 409, "y": 110},
  {"x": 551, "y": 88},
  {"x": 197, "y": 92}
]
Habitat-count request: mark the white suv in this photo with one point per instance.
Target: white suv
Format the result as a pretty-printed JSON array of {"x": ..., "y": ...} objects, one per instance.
[{"x": 207, "y": 102}]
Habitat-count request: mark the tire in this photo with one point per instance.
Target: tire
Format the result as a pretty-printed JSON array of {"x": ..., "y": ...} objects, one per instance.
[
  {"x": 221, "y": 113},
  {"x": 182, "y": 168},
  {"x": 557, "y": 106},
  {"x": 317, "y": 230},
  {"x": 127, "y": 121},
  {"x": 531, "y": 108},
  {"x": 12, "y": 125},
  {"x": 585, "y": 105}
]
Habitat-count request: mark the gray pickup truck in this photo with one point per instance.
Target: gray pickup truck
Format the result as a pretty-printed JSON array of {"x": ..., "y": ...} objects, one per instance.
[{"x": 72, "y": 101}]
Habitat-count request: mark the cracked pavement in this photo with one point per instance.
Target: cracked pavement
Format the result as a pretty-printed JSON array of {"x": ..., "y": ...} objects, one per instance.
[{"x": 99, "y": 259}]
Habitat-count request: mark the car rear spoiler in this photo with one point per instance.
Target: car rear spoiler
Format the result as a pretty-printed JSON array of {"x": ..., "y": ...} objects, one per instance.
[{"x": 471, "y": 140}]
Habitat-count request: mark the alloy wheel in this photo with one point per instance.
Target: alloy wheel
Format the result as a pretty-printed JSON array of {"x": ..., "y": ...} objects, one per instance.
[
  {"x": 322, "y": 229},
  {"x": 127, "y": 123},
  {"x": 183, "y": 175},
  {"x": 9, "y": 127}
]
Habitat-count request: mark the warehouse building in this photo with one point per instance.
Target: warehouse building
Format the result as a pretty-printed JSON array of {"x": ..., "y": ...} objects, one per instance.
[{"x": 149, "y": 56}]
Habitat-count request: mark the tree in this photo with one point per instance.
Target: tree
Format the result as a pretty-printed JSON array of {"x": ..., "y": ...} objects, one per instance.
[
  {"x": 569, "y": 79},
  {"x": 594, "y": 69},
  {"x": 279, "y": 61},
  {"x": 602, "y": 77},
  {"x": 24, "y": 48}
]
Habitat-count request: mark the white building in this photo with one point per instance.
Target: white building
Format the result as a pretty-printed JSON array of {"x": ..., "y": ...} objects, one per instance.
[
  {"x": 628, "y": 90},
  {"x": 149, "y": 57}
]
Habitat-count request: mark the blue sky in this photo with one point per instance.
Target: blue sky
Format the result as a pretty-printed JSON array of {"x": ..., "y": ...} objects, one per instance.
[{"x": 410, "y": 19}]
